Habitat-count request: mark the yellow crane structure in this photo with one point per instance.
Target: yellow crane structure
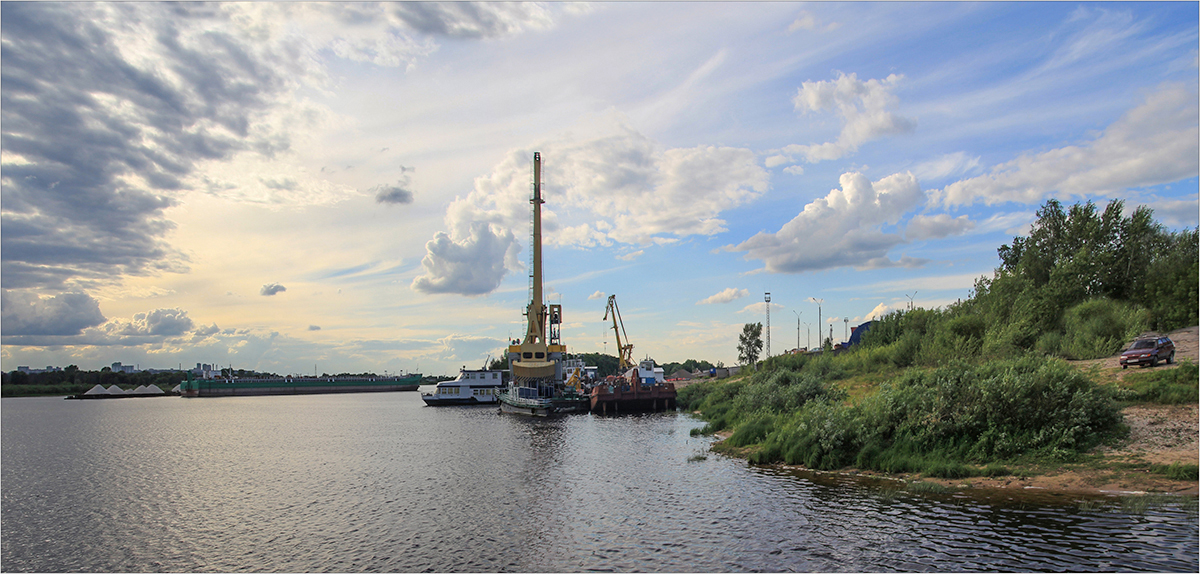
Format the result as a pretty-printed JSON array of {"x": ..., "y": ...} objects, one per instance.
[{"x": 624, "y": 350}]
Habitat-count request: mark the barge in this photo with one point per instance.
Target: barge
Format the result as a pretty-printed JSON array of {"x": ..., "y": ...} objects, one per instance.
[
  {"x": 641, "y": 390},
  {"x": 257, "y": 386}
]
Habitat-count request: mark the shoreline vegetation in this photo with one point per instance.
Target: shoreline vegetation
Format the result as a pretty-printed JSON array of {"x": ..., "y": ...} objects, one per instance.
[
  {"x": 1016, "y": 386},
  {"x": 1152, "y": 450}
]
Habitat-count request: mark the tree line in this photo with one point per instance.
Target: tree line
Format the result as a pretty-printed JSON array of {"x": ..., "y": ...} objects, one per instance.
[{"x": 1081, "y": 285}]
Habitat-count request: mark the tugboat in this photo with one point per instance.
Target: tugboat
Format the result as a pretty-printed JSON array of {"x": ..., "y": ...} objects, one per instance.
[{"x": 536, "y": 386}]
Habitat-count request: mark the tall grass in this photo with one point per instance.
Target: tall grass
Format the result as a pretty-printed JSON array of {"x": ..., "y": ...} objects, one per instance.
[
  {"x": 1166, "y": 386},
  {"x": 936, "y": 421}
]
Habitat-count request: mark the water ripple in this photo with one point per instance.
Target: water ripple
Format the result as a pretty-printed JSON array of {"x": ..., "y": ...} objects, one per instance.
[{"x": 372, "y": 483}]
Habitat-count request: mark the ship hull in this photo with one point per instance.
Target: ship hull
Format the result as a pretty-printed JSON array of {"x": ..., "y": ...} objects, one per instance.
[
  {"x": 614, "y": 399},
  {"x": 282, "y": 386},
  {"x": 543, "y": 407},
  {"x": 434, "y": 401}
]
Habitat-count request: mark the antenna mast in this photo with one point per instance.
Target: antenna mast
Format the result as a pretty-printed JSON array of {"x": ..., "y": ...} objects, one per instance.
[{"x": 768, "y": 299}]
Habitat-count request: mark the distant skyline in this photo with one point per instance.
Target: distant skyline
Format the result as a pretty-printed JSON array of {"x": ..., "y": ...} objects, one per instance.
[{"x": 273, "y": 186}]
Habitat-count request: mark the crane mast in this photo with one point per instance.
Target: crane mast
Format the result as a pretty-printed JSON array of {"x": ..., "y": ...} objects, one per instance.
[{"x": 624, "y": 350}]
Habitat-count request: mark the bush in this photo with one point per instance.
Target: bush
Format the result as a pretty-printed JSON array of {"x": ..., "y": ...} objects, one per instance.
[
  {"x": 955, "y": 413},
  {"x": 1100, "y": 327}
]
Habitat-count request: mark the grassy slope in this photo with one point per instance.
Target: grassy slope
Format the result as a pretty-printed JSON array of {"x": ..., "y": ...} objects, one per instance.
[{"x": 1151, "y": 389}]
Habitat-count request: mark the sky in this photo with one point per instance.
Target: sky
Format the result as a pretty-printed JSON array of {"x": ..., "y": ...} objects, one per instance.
[{"x": 302, "y": 187}]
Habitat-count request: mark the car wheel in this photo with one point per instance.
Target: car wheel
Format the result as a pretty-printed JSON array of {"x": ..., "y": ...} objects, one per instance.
[
  {"x": 1124, "y": 366},
  {"x": 1171, "y": 358},
  {"x": 1153, "y": 362}
]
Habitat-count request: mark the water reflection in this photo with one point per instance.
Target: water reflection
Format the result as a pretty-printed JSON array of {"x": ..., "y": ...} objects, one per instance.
[{"x": 383, "y": 483}]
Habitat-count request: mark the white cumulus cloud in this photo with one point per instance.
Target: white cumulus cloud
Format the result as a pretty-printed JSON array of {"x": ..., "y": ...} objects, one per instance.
[
  {"x": 841, "y": 229},
  {"x": 618, "y": 187},
  {"x": 866, "y": 110},
  {"x": 726, "y": 296}
]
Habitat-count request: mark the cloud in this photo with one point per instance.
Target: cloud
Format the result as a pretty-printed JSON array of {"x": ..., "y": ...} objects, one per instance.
[
  {"x": 1154, "y": 143},
  {"x": 469, "y": 348},
  {"x": 634, "y": 192},
  {"x": 760, "y": 308},
  {"x": 949, "y": 165},
  {"x": 806, "y": 21},
  {"x": 80, "y": 325},
  {"x": 864, "y": 107},
  {"x": 596, "y": 295},
  {"x": 314, "y": 327},
  {"x": 923, "y": 227},
  {"x": 726, "y": 296},
  {"x": 880, "y": 311},
  {"x": 112, "y": 112},
  {"x": 631, "y": 255},
  {"x": 616, "y": 187},
  {"x": 1174, "y": 212},
  {"x": 25, "y": 313},
  {"x": 841, "y": 229},
  {"x": 472, "y": 19},
  {"x": 156, "y": 323},
  {"x": 270, "y": 289},
  {"x": 777, "y": 160},
  {"x": 471, "y": 266},
  {"x": 392, "y": 194},
  {"x": 107, "y": 110}
]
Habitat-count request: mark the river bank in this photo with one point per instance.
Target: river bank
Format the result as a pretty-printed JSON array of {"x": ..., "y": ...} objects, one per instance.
[{"x": 1159, "y": 436}]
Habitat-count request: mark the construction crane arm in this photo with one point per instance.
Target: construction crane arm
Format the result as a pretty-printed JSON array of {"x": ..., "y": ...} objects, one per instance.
[{"x": 624, "y": 350}]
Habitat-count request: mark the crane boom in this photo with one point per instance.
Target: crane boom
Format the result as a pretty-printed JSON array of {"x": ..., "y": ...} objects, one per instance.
[{"x": 624, "y": 350}]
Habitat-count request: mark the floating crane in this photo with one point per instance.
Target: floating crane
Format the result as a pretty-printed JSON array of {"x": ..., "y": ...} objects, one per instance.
[
  {"x": 624, "y": 351},
  {"x": 638, "y": 387}
]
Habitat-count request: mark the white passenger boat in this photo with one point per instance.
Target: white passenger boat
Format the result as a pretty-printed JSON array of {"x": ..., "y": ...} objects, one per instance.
[{"x": 481, "y": 387}]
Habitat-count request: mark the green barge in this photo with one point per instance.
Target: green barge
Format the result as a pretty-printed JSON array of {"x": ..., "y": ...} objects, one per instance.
[{"x": 243, "y": 387}]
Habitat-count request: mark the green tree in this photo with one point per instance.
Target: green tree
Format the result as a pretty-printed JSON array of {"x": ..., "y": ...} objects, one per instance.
[
  {"x": 750, "y": 343},
  {"x": 605, "y": 364}
]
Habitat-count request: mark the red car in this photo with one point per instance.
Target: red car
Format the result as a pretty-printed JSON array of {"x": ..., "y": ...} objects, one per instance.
[{"x": 1149, "y": 352}]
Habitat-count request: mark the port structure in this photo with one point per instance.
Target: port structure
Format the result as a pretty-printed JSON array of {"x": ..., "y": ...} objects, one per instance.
[
  {"x": 536, "y": 363},
  {"x": 637, "y": 387},
  {"x": 625, "y": 349},
  {"x": 767, "y": 298}
]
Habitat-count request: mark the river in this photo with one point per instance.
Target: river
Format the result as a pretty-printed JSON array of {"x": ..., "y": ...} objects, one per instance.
[{"x": 382, "y": 483}]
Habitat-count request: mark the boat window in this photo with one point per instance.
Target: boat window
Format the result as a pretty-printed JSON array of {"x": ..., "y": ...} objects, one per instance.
[
  {"x": 540, "y": 355},
  {"x": 527, "y": 355}
]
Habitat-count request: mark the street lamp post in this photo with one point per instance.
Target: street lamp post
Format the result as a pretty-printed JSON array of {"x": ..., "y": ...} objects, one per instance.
[
  {"x": 818, "y": 302},
  {"x": 808, "y": 336},
  {"x": 797, "y": 330},
  {"x": 846, "y": 320}
]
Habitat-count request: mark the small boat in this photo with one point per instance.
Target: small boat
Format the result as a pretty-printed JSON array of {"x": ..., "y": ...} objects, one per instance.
[{"x": 481, "y": 387}]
